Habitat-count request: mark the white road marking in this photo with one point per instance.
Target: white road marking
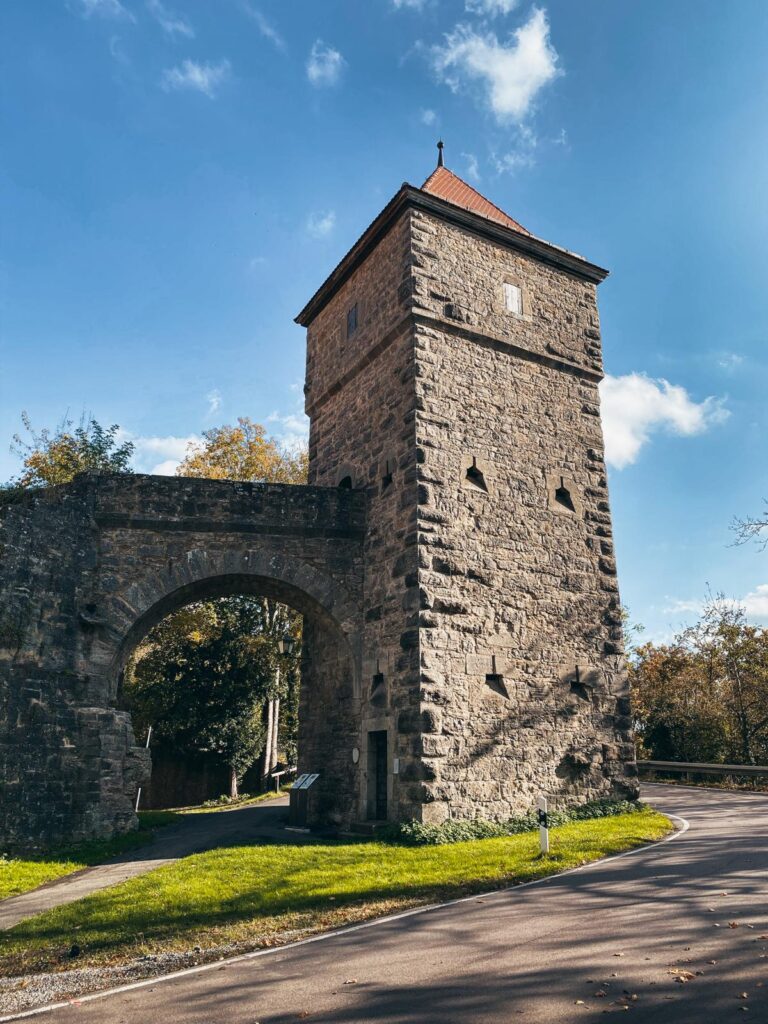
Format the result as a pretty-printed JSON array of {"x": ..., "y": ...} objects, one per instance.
[{"x": 243, "y": 957}]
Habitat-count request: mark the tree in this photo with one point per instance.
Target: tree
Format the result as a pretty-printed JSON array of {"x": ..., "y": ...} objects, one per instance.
[
  {"x": 51, "y": 458},
  {"x": 704, "y": 697},
  {"x": 755, "y": 528},
  {"x": 244, "y": 452},
  {"x": 202, "y": 678}
]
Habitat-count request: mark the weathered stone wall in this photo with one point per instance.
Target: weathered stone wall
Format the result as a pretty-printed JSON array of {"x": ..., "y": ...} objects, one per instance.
[
  {"x": 87, "y": 569},
  {"x": 515, "y": 585},
  {"x": 462, "y": 596},
  {"x": 362, "y": 406},
  {"x": 465, "y": 584}
]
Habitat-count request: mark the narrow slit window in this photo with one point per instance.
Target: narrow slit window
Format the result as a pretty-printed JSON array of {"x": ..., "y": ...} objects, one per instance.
[
  {"x": 475, "y": 477},
  {"x": 513, "y": 298},
  {"x": 495, "y": 681},
  {"x": 351, "y": 320},
  {"x": 563, "y": 497},
  {"x": 386, "y": 478}
]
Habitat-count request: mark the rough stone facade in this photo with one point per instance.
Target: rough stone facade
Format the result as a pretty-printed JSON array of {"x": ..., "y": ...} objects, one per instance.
[
  {"x": 491, "y": 605},
  {"x": 88, "y": 568},
  {"x": 452, "y": 555}
]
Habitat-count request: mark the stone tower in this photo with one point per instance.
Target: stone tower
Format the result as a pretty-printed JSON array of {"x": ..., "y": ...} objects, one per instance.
[{"x": 453, "y": 360}]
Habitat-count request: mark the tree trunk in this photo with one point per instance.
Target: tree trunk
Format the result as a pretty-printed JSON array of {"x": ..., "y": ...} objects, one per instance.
[
  {"x": 233, "y": 792},
  {"x": 266, "y": 765},
  {"x": 275, "y": 730}
]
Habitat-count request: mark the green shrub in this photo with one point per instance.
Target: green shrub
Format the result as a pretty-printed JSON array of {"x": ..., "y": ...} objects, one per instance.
[{"x": 416, "y": 833}]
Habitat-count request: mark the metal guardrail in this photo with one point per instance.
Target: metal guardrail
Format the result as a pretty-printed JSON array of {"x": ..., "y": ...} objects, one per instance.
[{"x": 694, "y": 768}]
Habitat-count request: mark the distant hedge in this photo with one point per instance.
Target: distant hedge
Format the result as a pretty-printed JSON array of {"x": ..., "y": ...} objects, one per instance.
[{"x": 416, "y": 833}]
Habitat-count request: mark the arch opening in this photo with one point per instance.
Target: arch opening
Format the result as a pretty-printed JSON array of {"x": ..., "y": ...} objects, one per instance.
[{"x": 305, "y": 711}]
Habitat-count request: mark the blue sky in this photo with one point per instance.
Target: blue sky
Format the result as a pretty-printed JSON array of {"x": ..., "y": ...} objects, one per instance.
[{"x": 178, "y": 177}]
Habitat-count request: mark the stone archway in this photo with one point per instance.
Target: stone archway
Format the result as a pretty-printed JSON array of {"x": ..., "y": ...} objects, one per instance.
[{"x": 91, "y": 567}]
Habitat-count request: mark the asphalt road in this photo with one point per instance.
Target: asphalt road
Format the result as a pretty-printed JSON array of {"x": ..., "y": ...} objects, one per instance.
[
  {"x": 542, "y": 953},
  {"x": 262, "y": 822}
]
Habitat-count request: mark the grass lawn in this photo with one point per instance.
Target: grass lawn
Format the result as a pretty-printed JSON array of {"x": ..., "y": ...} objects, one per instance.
[
  {"x": 227, "y": 804},
  {"x": 20, "y": 874},
  {"x": 266, "y": 895}
]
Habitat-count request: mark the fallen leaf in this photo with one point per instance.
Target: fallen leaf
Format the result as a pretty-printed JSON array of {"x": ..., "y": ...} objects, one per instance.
[
  {"x": 733, "y": 924},
  {"x": 579, "y": 1002},
  {"x": 351, "y": 981}
]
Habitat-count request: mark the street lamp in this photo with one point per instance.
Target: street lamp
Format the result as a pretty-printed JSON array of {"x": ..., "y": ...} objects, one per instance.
[{"x": 286, "y": 645}]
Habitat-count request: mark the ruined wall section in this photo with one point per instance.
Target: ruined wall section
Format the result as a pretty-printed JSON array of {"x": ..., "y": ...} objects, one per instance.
[
  {"x": 362, "y": 407},
  {"x": 68, "y": 765},
  {"x": 87, "y": 569},
  {"x": 523, "y": 679}
]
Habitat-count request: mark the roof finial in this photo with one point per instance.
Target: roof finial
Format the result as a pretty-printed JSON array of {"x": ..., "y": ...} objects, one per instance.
[{"x": 440, "y": 154}]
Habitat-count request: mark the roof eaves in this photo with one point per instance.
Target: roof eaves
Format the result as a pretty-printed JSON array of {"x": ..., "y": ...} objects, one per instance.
[{"x": 410, "y": 196}]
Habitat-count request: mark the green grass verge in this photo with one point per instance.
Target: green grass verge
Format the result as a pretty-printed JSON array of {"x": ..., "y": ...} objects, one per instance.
[
  {"x": 26, "y": 872},
  {"x": 266, "y": 895},
  {"x": 226, "y": 803}
]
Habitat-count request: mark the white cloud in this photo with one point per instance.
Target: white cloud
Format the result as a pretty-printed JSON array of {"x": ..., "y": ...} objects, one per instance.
[
  {"x": 320, "y": 225},
  {"x": 755, "y": 603},
  {"x": 473, "y": 168},
  {"x": 428, "y": 117},
  {"x": 634, "y": 407},
  {"x": 265, "y": 27},
  {"x": 159, "y": 455},
  {"x": 677, "y": 607},
  {"x": 730, "y": 361},
  {"x": 523, "y": 155},
  {"x": 169, "y": 22},
  {"x": 294, "y": 428},
  {"x": 513, "y": 73},
  {"x": 515, "y": 160},
  {"x": 324, "y": 65},
  {"x": 490, "y": 7},
  {"x": 204, "y": 78},
  {"x": 105, "y": 9},
  {"x": 414, "y": 5},
  {"x": 213, "y": 398}
]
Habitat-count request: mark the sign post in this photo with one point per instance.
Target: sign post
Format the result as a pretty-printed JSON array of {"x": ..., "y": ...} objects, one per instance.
[{"x": 543, "y": 818}]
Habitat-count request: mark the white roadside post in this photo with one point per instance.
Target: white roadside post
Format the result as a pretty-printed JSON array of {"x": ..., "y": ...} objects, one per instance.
[{"x": 543, "y": 817}]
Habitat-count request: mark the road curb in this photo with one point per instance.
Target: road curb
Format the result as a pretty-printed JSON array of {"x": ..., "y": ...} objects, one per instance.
[{"x": 347, "y": 930}]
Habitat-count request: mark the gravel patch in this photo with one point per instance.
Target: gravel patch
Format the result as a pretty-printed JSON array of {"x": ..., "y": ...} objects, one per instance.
[{"x": 29, "y": 991}]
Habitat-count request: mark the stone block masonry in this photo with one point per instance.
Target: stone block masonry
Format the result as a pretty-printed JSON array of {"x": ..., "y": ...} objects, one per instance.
[
  {"x": 452, "y": 555},
  {"x": 87, "y": 569},
  {"x": 491, "y": 604}
]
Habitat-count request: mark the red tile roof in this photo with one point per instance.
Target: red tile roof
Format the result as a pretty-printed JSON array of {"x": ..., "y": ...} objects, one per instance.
[{"x": 450, "y": 186}]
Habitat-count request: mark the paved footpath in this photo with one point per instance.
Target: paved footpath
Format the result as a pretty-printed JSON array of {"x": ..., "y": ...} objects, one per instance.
[
  {"x": 260, "y": 822},
  {"x": 568, "y": 949}
]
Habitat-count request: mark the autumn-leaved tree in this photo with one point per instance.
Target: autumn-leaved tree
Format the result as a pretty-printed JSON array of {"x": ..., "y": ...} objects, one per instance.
[
  {"x": 704, "y": 697},
  {"x": 241, "y": 452},
  {"x": 56, "y": 457},
  {"x": 244, "y": 452}
]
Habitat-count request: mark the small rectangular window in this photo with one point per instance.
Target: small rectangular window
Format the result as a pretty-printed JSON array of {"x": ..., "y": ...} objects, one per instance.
[
  {"x": 351, "y": 320},
  {"x": 513, "y": 299}
]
